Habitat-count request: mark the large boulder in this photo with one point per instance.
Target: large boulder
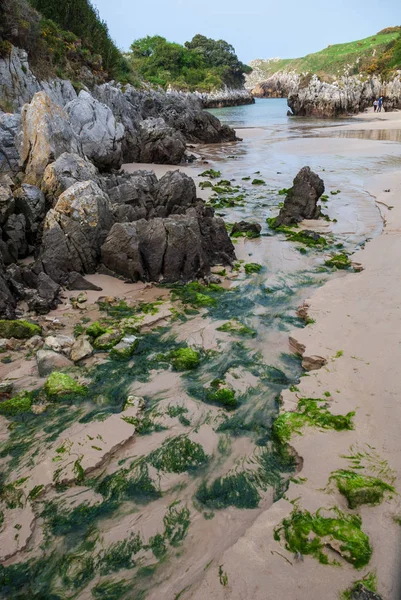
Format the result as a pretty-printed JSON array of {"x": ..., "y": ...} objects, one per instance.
[
  {"x": 176, "y": 193},
  {"x": 100, "y": 134},
  {"x": 301, "y": 200},
  {"x": 30, "y": 203},
  {"x": 160, "y": 143},
  {"x": 64, "y": 172},
  {"x": 132, "y": 194},
  {"x": 14, "y": 230},
  {"x": 45, "y": 134},
  {"x": 75, "y": 230},
  {"x": 9, "y": 156},
  {"x": 176, "y": 248}
]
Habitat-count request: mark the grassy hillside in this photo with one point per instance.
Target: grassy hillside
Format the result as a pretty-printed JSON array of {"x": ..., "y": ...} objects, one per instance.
[{"x": 377, "y": 53}]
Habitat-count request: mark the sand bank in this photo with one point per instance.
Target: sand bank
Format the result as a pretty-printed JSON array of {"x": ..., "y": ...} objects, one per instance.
[{"x": 357, "y": 331}]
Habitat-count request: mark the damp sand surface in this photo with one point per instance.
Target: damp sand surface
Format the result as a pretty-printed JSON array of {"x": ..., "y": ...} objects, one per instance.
[{"x": 258, "y": 367}]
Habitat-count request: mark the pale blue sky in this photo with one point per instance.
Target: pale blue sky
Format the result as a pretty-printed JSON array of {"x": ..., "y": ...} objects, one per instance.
[{"x": 256, "y": 28}]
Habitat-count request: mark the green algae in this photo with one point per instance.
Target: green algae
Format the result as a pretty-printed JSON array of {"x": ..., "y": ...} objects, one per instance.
[
  {"x": 237, "y": 328},
  {"x": 258, "y": 182},
  {"x": 205, "y": 184},
  {"x": 107, "y": 340},
  {"x": 283, "y": 191},
  {"x": 120, "y": 555},
  {"x": 232, "y": 490},
  {"x": 309, "y": 534},
  {"x": 183, "y": 359},
  {"x": 310, "y": 412},
  {"x": 252, "y": 268},
  {"x": 61, "y": 384},
  {"x": 339, "y": 261},
  {"x": 360, "y": 489},
  {"x": 246, "y": 234},
  {"x": 197, "y": 294},
  {"x": 368, "y": 582},
  {"x": 246, "y": 178},
  {"x": 96, "y": 329},
  {"x": 110, "y": 589},
  {"x": 177, "y": 455},
  {"x": 15, "y": 406},
  {"x": 221, "y": 394},
  {"x": 211, "y": 173},
  {"x": 124, "y": 349},
  {"x": 19, "y": 329}
]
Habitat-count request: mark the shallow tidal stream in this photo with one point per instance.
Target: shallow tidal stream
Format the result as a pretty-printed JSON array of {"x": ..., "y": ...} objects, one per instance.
[{"x": 155, "y": 513}]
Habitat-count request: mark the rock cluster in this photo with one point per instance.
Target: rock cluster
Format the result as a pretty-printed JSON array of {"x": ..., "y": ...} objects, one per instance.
[{"x": 301, "y": 200}]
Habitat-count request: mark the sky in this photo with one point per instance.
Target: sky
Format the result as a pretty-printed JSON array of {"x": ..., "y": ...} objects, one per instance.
[{"x": 256, "y": 28}]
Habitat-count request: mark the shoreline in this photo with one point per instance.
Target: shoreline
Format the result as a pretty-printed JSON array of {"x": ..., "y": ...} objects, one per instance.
[{"x": 365, "y": 378}]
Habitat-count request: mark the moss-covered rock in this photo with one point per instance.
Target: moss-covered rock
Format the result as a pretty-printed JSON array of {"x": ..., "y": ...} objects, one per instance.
[
  {"x": 96, "y": 329},
  {"x": 61, "y": 384},
  {"x": 125, "y": 348},
  {"x": 252, "y": 268},
  {"x": 222, "y": 394},
  {"x": 184, "y": 359},
  {"x": 19, "y": 329},
  {"x": 361, "y": 489},
  {"x": 106, "y": 341},
  {"x": 339, "y": 261},
  {"x": 17, "y": 405}
]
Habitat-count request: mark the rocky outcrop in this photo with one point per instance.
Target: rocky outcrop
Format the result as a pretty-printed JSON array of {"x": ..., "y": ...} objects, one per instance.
[
  {"x": 279, "y": 85},
  {"x": 9, "y": 156},
  {"x": 31, "y": 204},
  {"x": 301, "y": 200},
  {"x": 170, "y": 249},
  {"x": 64, "y": 172},
  {"x": 226, "y": 97},
  {"x": 99, "y": 133},
  {"x": 45, "y": 134},
  {"x": 160, "y": 143},
  {"x": 347, "y": 95}
]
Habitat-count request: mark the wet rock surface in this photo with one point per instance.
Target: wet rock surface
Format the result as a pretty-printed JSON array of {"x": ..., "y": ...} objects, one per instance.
[{"x": 301, "y": 200}]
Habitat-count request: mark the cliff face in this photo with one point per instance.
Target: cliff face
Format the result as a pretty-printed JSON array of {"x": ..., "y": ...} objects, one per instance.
[
  {"x": 348, "y": 95},
  {"x": 279, "y": 85}
]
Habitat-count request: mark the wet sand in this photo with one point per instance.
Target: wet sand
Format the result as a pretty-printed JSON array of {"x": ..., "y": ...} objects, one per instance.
[{"x": 359, "y": 315}]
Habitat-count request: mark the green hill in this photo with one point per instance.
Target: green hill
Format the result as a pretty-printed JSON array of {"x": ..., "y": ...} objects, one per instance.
[{"x": 379, "y": 53}]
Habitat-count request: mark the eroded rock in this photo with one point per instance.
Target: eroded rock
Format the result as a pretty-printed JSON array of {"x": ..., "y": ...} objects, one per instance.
[{"x": 301, "y": 200}]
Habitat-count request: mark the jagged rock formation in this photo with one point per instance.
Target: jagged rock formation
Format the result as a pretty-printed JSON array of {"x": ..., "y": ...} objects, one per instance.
[
  {"x": 348, "y": 95},
  {"x": 227, "y": 97},
  {"x": 279, "y": 85},
  {"x": 301, "y": 200}
]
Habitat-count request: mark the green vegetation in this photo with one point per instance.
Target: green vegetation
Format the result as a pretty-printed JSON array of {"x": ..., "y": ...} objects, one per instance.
[
  {"x": 368, "y": 582},
  {"x": 312, "y": 413},
  {"x": 377, "y": 53},
  {"x": 203, "y": 64},
  {"x": 196, "y": 294},
  {"x": 17, "y": 405},
  {"x": 339, "y": 261},
  {"x": 360, "y": 489},
  {"x": 238, "y": 328},
  {"x": 177, "y": 455},
  {"x": 258, "y": 182},
  {"x": 20, "y": 329},
  {"x": 307, "y": 533},
  {"x": 220, "y": 393},
  {"x": 182, "y": 359},
  {"x": 60, "y": 384},
  {"x": 211, "y": 173},
  {"x": 252, "y": 268}
]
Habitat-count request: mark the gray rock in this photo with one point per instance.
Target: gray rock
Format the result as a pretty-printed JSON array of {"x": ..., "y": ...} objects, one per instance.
[
  {"x": 132, "y": 194},
  {"x": 7, "y": 300},
  {"x": 77, "y": 282},
  {"x": 246, "y": 227},
  {"x": 75, "y": 230},
  {"x": 301, "y": 200},
  {"x": 100, "y": 134},
  {"x": 362, "y": 593},
  {"x": 30, "y": 202},
  {"x": 45, "y": 134},
  {"x": 176, "y": 248},
  {"x": 34, "y": 343},
  {"x": 9, "y": 128},
  {"x": 46, "y": 297},
  {"x": 81, "y": 348},
  {"x": 125, "y": 347},
  {"x": 175, "y": 194},
  {"x": 64, "y": 172},
  {"x": 7, "y": 203},
  {"x": 49, "y": 361},
  {"x": 160, "y": 143},
  {"x": 59, "y": 343},
  {"x": 6, "y": 387},
  {"x": 14, "y": 231}
]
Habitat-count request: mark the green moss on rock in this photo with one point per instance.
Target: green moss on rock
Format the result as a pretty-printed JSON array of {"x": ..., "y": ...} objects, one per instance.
[
  {"x": 252, "y": 268},
  {"x": 223, "y": 395},
  {"x": 360, "y": 489},
  {"x": 184, "y": 359},
  {"x": 108, "y": 339},
  {"x": 19, "y": 329},
  {"x": 60, "y": 384},
  {"x": 306, "y": 533},
  {"x": 96, "y": 329},
  {"x": 340, "y": 261},
  {"x": 237, "y": 327},
  {"x": 17, "y": 405}
]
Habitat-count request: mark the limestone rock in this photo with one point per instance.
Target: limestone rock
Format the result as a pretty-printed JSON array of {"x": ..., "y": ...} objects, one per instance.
[
  {"x": 59, "y": 343},
  {"x": 301, "y": 200},
  {"x": 77, "y": 282},
  {"x": 46, "y": 296},
  {"x": 64, "y": 172},
  {"x": 9, "y": 156},
  {"x": 7, "y": 203},
  {"x": 176, "y": 192},
  {"x": 246, "y": 227},
  {"x": 14, "y": 231},
  {"x": 30, "y": 202},
  {"x": 99, "y": 132},
  {"x": 45, "y": 134},
  {"x": 81, "y": 348},
  {"x": 160, "y": 143},
  {"x": 49, "y": 361},
  {"x": 132, "y": 194}
]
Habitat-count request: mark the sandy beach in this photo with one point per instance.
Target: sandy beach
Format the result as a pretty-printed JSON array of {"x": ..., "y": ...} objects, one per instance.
[{"x": 357, "y": 332}]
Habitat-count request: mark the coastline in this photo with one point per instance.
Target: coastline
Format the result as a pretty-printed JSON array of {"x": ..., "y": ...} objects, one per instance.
[{"x": 365, "y": 378}]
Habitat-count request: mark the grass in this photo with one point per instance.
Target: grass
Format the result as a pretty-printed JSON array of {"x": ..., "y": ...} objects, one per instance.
[
  {"x": 310, "y": 534},
  {"x": 312, "y": 413},
  {"x": 331, "y": 62}
]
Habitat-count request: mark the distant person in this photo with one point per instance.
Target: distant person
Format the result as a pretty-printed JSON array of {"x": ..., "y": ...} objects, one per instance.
[
  {"x": 380, "y": 104},
  {"x": 375, "y": 104}
]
